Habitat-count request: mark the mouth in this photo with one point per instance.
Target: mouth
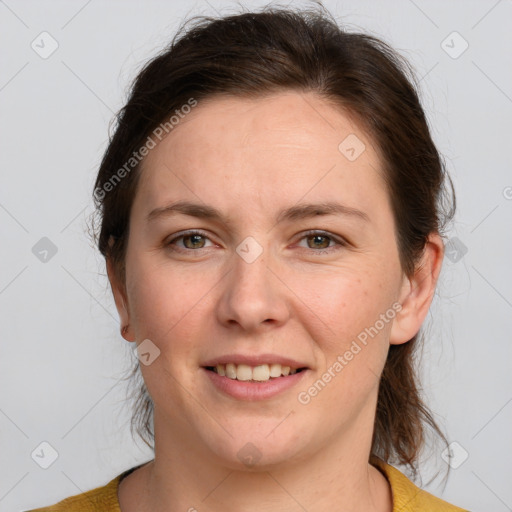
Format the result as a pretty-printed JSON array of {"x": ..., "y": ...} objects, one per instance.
[{"x": 260, "y": 373}]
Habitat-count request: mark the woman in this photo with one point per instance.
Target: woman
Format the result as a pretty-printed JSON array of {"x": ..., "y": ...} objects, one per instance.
[{"x": 271, "y": 223}]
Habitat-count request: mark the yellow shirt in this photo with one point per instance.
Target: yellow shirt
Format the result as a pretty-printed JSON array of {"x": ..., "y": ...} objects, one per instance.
[{"x": 406, "y": 496}]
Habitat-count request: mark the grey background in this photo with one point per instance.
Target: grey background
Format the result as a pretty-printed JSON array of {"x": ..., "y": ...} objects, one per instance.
[{"x": 62, "y": 356}]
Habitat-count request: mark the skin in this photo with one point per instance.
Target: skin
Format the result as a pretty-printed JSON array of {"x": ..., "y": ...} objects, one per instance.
[{"x": 250, "y": 158}]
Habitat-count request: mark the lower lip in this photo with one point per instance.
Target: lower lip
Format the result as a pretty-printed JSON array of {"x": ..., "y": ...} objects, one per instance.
[{"x": 247, "y": 390}]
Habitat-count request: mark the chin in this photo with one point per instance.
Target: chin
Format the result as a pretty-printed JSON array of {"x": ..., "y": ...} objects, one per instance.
[{"x": 256, "y": 450}]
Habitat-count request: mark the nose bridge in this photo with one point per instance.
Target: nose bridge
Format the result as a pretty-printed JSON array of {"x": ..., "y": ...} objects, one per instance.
[
  {"x": 252, "y": 294},
  {"x": 250, "y": 263}
]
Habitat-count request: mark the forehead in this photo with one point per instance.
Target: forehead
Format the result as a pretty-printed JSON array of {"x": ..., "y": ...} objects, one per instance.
[
  {"x": 262, "y": 151},
  {"x": 300, "y": 121}
]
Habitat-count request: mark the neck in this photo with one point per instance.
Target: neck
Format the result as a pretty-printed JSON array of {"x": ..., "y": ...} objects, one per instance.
[{"x": 336, "y": 477}]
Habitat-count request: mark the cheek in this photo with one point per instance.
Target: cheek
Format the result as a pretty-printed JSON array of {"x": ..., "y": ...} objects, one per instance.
[
  {"x": 167, "y": 304},
  {"x": 353, "y": 343},
  {"x": 347, "y": 303},
  {"x": 169, "y": 308}
]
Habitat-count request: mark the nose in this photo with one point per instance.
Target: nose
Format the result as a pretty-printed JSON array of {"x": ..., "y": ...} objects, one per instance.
[{"x": 252, "y": 296}]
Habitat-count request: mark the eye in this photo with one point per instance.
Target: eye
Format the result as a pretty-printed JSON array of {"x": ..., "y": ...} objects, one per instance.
[
  {"x": 321, "y": 240},
  {"x": 192, "y": 240}
]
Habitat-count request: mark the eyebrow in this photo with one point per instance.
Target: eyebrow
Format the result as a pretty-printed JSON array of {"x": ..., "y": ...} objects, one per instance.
[{"x": 297, "y": 212}]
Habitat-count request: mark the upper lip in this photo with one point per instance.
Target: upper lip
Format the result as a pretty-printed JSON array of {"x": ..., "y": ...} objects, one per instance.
[{"x": 255, "y": 360}]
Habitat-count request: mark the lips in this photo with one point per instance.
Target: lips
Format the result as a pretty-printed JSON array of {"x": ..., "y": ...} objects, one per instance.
[
  {"x": 252, "y": 390},
  {"x": 255, "y": 360}
]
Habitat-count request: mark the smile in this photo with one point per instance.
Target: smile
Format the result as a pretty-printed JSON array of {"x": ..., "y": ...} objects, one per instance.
[
  {"x": 259, "y": 373},
  {"x": 244, "y": 382}
]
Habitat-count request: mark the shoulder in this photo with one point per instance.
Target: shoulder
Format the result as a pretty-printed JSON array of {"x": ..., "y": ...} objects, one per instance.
[
  {"x": 407, "y": 497},
  {"x": 102, "y": 499}
]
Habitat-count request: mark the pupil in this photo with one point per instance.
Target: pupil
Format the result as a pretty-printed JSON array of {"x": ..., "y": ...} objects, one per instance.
[
  {"x": 316, "y": 238},
  {"x": 195, "y": 238}
]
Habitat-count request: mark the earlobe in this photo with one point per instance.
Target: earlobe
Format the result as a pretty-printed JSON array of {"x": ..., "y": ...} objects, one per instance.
[
  {"x": 418, "y": 291},
  {"x": 121, "y": 301}
]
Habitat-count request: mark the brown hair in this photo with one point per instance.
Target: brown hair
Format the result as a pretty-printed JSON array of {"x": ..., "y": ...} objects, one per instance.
[{"x": 257, "y": 53}]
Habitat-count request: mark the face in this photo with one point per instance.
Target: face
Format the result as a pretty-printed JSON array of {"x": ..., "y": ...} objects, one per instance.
[{"x": 255, "y": 276}]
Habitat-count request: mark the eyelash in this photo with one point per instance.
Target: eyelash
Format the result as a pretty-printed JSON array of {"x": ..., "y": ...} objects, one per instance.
[{"x": 341, "y": 243}]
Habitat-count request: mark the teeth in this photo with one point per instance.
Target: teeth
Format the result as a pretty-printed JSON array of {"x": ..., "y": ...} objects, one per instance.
[
  {"x": 275, "y": 370},
  {"x": 260, "y": 373},
  {"x": 243, "y": 372},
  {"x": 230, "y": 370}
]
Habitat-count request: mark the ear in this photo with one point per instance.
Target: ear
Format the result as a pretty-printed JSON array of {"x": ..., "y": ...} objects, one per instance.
[
  {"x": 418, "y": 291},
  {"x": 120, "y": 298}
]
